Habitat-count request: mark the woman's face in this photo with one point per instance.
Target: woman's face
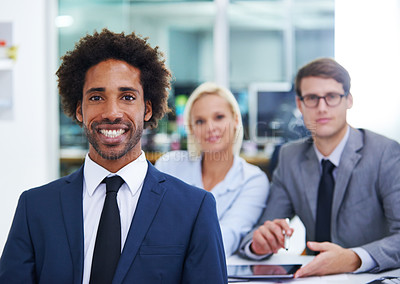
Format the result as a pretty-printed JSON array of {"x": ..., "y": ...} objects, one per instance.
[{"x": 213, "y": 124}]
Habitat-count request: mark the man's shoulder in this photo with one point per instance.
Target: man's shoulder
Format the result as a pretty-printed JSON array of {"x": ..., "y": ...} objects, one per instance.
[
  {"x": 296, "y": 147},
  {"x": 176, "y": 186},
  {"x": 189, "y": 199},
  {"x": 372, "y": 144},
  {"x": 52, "y": 186},
  {"x": 376, "y": 138}
]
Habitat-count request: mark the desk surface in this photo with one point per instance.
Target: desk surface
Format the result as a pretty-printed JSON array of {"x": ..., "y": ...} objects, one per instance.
[{"x": 301, "y": 259}]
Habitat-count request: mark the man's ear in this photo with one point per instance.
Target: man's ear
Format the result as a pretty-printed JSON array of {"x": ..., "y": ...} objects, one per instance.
[
  {"x": 78, "y": 112},
  {"x": 298, "y": 104},
  {"x": 148, "y": 110},
  {"x": 349, "y": 101}
]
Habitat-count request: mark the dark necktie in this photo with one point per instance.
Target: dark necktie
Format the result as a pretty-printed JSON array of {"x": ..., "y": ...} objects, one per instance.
[
  {"x": 324, "y": 204},
  {"x": 107, "y": 249}
]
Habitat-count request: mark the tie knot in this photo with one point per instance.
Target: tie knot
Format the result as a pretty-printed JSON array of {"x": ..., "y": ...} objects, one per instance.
[
  {"x": 327, "y": 166},
  {"x": 113, "y": 183}
]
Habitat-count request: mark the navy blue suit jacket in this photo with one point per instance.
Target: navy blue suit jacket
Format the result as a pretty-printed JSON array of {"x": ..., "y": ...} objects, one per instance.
[{"x": 174, "y": 235}]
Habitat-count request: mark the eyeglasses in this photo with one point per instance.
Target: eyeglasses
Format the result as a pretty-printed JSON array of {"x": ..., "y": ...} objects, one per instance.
[{"x": 331, "y": 100}]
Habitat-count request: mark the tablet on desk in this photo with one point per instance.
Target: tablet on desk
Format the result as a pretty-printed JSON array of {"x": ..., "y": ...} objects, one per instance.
[{"x": 262, "y": 271}]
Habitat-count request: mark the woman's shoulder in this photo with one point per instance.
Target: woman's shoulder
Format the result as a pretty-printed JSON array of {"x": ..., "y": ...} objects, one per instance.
[
  {"x": 178, "y": 164},
  {"x": 174, "y": 158},
  {"x": 249, "y": 170},
  {"x": 247, "y": 166}
]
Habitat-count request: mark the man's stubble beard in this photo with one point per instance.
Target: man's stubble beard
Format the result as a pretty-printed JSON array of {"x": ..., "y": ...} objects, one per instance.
[{"x": 133, "y": 140}]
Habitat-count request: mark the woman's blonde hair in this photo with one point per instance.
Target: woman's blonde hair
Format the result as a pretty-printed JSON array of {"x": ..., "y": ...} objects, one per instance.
[{"x": 212, "y": 88}]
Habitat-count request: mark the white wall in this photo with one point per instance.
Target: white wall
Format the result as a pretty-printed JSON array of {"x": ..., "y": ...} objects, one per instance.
[
  {"x": 367, "y": 44},
  {"x": 29, "y": 141}
]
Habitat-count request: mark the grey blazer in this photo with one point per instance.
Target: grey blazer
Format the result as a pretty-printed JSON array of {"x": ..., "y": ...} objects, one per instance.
[{"x": 366, "y": 202}]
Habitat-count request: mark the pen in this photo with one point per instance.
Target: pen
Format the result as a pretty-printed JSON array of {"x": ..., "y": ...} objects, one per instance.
[{"x": 287, "y": 238}]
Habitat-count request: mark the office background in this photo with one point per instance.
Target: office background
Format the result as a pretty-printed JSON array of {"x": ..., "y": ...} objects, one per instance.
[{"x": 231, "y": 42}]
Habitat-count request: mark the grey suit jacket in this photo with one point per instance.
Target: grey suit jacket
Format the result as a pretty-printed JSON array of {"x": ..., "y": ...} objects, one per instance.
[{"x": 366, "y": 202}]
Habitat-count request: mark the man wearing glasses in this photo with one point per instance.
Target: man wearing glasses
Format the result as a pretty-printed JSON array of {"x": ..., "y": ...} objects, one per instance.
[{"x": 343, "y": 183}]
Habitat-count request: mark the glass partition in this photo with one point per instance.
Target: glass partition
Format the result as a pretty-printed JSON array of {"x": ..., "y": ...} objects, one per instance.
[
  {"x": 266, "y": 41},
  {"x": 269, "y": 41}
]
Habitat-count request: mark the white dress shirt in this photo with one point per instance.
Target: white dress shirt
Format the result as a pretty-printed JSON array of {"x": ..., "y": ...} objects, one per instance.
[{"x": 94, "y": 193}]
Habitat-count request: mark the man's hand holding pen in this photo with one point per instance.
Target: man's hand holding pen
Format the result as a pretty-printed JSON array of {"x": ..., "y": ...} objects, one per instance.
[
  {"x": 270, "y": 237},
  {"x": 332, "y": 259},
  {"x": 287, "y": 237}
]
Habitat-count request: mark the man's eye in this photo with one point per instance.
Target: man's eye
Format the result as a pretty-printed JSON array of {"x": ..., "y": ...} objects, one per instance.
[
  {"x": 128, "y": 98},
  {"x": 311, "y": 98},
  {"x": 95, "y": 98},
  {"x": 332, "y": 96}
]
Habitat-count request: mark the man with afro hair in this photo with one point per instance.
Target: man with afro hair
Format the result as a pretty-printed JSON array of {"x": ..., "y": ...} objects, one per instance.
[{"x": 117, "y": 219}]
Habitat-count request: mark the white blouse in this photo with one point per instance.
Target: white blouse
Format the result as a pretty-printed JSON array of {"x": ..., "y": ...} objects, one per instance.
[{"x": 241, "y": 197}]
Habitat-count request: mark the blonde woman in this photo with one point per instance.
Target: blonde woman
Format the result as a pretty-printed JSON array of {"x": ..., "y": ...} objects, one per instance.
[{"x": 215, "y": 134}]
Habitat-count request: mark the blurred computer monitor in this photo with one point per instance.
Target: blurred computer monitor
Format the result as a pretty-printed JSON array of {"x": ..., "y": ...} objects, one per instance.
[{"x": 273, "y": 116}]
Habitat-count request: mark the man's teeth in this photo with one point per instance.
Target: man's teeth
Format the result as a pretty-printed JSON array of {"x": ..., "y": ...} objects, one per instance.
[{"x": 112, "y": 133}]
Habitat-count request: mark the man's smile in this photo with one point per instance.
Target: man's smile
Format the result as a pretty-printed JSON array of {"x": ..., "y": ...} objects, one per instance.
[{"x": 112, "y": 133}]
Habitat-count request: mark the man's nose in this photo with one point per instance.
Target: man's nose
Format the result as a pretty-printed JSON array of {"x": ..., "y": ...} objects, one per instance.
[
  {"x": 322, "y": 105},
  {"x": 112, "y": 110}
]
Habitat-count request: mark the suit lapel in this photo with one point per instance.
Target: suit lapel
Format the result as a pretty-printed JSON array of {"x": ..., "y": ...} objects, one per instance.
[
  {"x": 71, "y": 205},
  {"x": 149, "y": 201},
  {"x": 348, "y": 161},
  {"x": 309, "y": 167},
  {"x": 310, "y": 175}
]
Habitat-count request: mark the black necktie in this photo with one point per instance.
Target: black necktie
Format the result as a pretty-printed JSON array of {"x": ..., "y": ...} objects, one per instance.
[
  {"x": 324, "y": 204},
  {"x": 107, "y": 249}
]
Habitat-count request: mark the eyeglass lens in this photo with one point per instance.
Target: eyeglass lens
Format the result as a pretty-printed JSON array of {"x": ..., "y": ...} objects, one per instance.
[{"x": 330, "y": 100}]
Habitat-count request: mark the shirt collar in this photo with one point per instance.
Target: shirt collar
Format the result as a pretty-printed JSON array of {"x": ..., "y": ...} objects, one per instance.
[
  {"x": 133, "y": 174},
  {"x": 334, "y": 157}
]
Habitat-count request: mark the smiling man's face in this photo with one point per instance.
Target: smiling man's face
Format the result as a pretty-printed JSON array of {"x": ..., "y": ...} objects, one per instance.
[{"x": 113, "y": 112}]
